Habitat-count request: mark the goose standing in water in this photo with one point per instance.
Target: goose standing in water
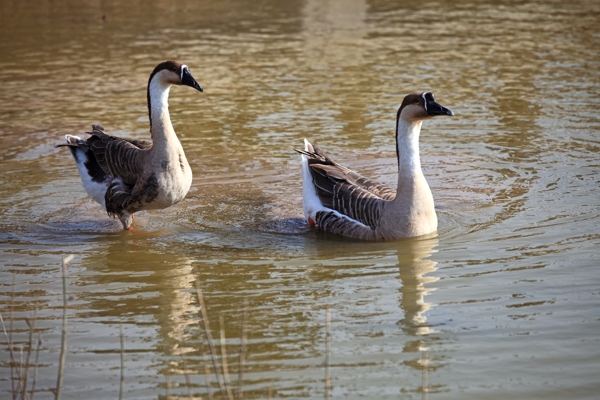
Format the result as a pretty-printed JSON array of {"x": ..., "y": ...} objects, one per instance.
[
  {"x": 126, "y": 176},
  {"x": 341, "y": 201}
]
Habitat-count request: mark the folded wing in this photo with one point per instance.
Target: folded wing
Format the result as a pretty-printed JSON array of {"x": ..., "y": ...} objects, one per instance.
[
  {"x": 119, "y": 158},
  {"x": 345, "y": 191}
]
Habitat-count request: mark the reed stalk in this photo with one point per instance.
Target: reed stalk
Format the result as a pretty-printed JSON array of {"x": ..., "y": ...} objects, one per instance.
[
  {"x": 168, "y": 386},
  {"x": 37, "y": 360},
  {"x": 424, "y": 362},
  {"x": 240, "y": 393},
  {"x": 21, "y": 390},
  {"x": 211, "y": 346},
  {"x": 63, "y": 342},
  {"x": 31, "y": 325},
  {"x": 188, "y": 381},
  {"x": 14, "y": 372},
  {"x": 13, "y": 365},
  {"x": 207, "y": 376},
  {"x": 224, "y": 357},
  {"x": 327, "y": 351},
  {"x": 122, "y": 381}
]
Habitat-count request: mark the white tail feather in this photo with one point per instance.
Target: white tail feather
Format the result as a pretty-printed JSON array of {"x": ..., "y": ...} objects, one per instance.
[{"x": 310, "y": 201}]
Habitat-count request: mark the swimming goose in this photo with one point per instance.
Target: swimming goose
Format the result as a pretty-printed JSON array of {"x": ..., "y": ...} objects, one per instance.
[
  {"x": 126, "y": 176},
  {"x": 338, "y": 200}
]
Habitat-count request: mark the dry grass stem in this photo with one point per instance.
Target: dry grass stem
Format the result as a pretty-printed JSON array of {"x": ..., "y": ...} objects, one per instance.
[
  {"x": 31, "y": 324},
  {"x": 224, "y": 357},
  {"x": 168, "y": 386},
  {"x": 21, "y": 388},
  {"x": 63, "y": 342},
  {"x": 213, "y": 353},
  {"x": 207, "y": 376},
  {"x": 37, "y": 361},
  {"x": 424, "y": 362},
  {"x": 188, "y": 381},
  {"x": 327, "y": 351},
  {"x": 13, "y": 366},
  {"x": 242, "y": 352},
  {"x": 15, "y": 373},
  {"x": 122, "y": 382}
]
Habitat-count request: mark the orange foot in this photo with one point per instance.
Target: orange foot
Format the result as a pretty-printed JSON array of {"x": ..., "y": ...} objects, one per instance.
[{"x": 311, "y": 222}]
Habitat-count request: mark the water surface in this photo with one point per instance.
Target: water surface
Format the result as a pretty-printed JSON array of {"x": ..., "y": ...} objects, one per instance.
[{"x": 501, "y": 303}]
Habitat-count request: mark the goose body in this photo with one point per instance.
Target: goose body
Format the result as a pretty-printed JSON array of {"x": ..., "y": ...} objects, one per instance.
[
  {"x": 126, "y": 176},
  {"x": 339, "y": 200}
]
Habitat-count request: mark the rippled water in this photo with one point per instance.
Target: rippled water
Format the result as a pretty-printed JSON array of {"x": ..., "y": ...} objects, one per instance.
[{"x": 502, "y": 303}]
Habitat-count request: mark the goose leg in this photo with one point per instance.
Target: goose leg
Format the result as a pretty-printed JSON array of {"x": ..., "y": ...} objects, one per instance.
[{"x": 126, "y": 219}]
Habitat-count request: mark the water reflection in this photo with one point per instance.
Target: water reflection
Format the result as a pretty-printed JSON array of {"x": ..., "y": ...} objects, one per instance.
[
  {"x": 416, "y": 267},
  {"x": 514, "y": 177},
  {"x": 140, "y": 286},
  {"x": 160, "y": 294}
]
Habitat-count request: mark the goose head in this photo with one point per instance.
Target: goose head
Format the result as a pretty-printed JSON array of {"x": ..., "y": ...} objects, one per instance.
[
  {"x": 420, "y": 106},
  {"x": 415, "y": 108},
  {"x": 164, "y": 75},
  {"x": 173, "y": 73}
]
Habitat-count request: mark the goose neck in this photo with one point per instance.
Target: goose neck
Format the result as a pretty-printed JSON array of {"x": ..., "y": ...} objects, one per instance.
[
  {"x": 407, "y": 147},
  {"x": 161, "y": 128}
]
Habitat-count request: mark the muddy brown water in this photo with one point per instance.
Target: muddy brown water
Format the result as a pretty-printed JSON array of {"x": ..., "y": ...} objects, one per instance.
[{"x": 502, "y": 303}]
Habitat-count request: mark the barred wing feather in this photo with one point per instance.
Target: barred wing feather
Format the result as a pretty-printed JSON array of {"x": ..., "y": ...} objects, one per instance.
[
  {"x": 120, "y": 158},
  {"x": 345, "y": 191}
]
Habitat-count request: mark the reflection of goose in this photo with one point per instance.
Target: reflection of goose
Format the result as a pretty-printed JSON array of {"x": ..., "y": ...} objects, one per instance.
[
  {"x": 183, "y": 302},
  {"x": 143, "y": 285},
  {"x": 415, "y": 263},
  {"x": 341, "y": 201},
  {"x": 126, "y": 176}
]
